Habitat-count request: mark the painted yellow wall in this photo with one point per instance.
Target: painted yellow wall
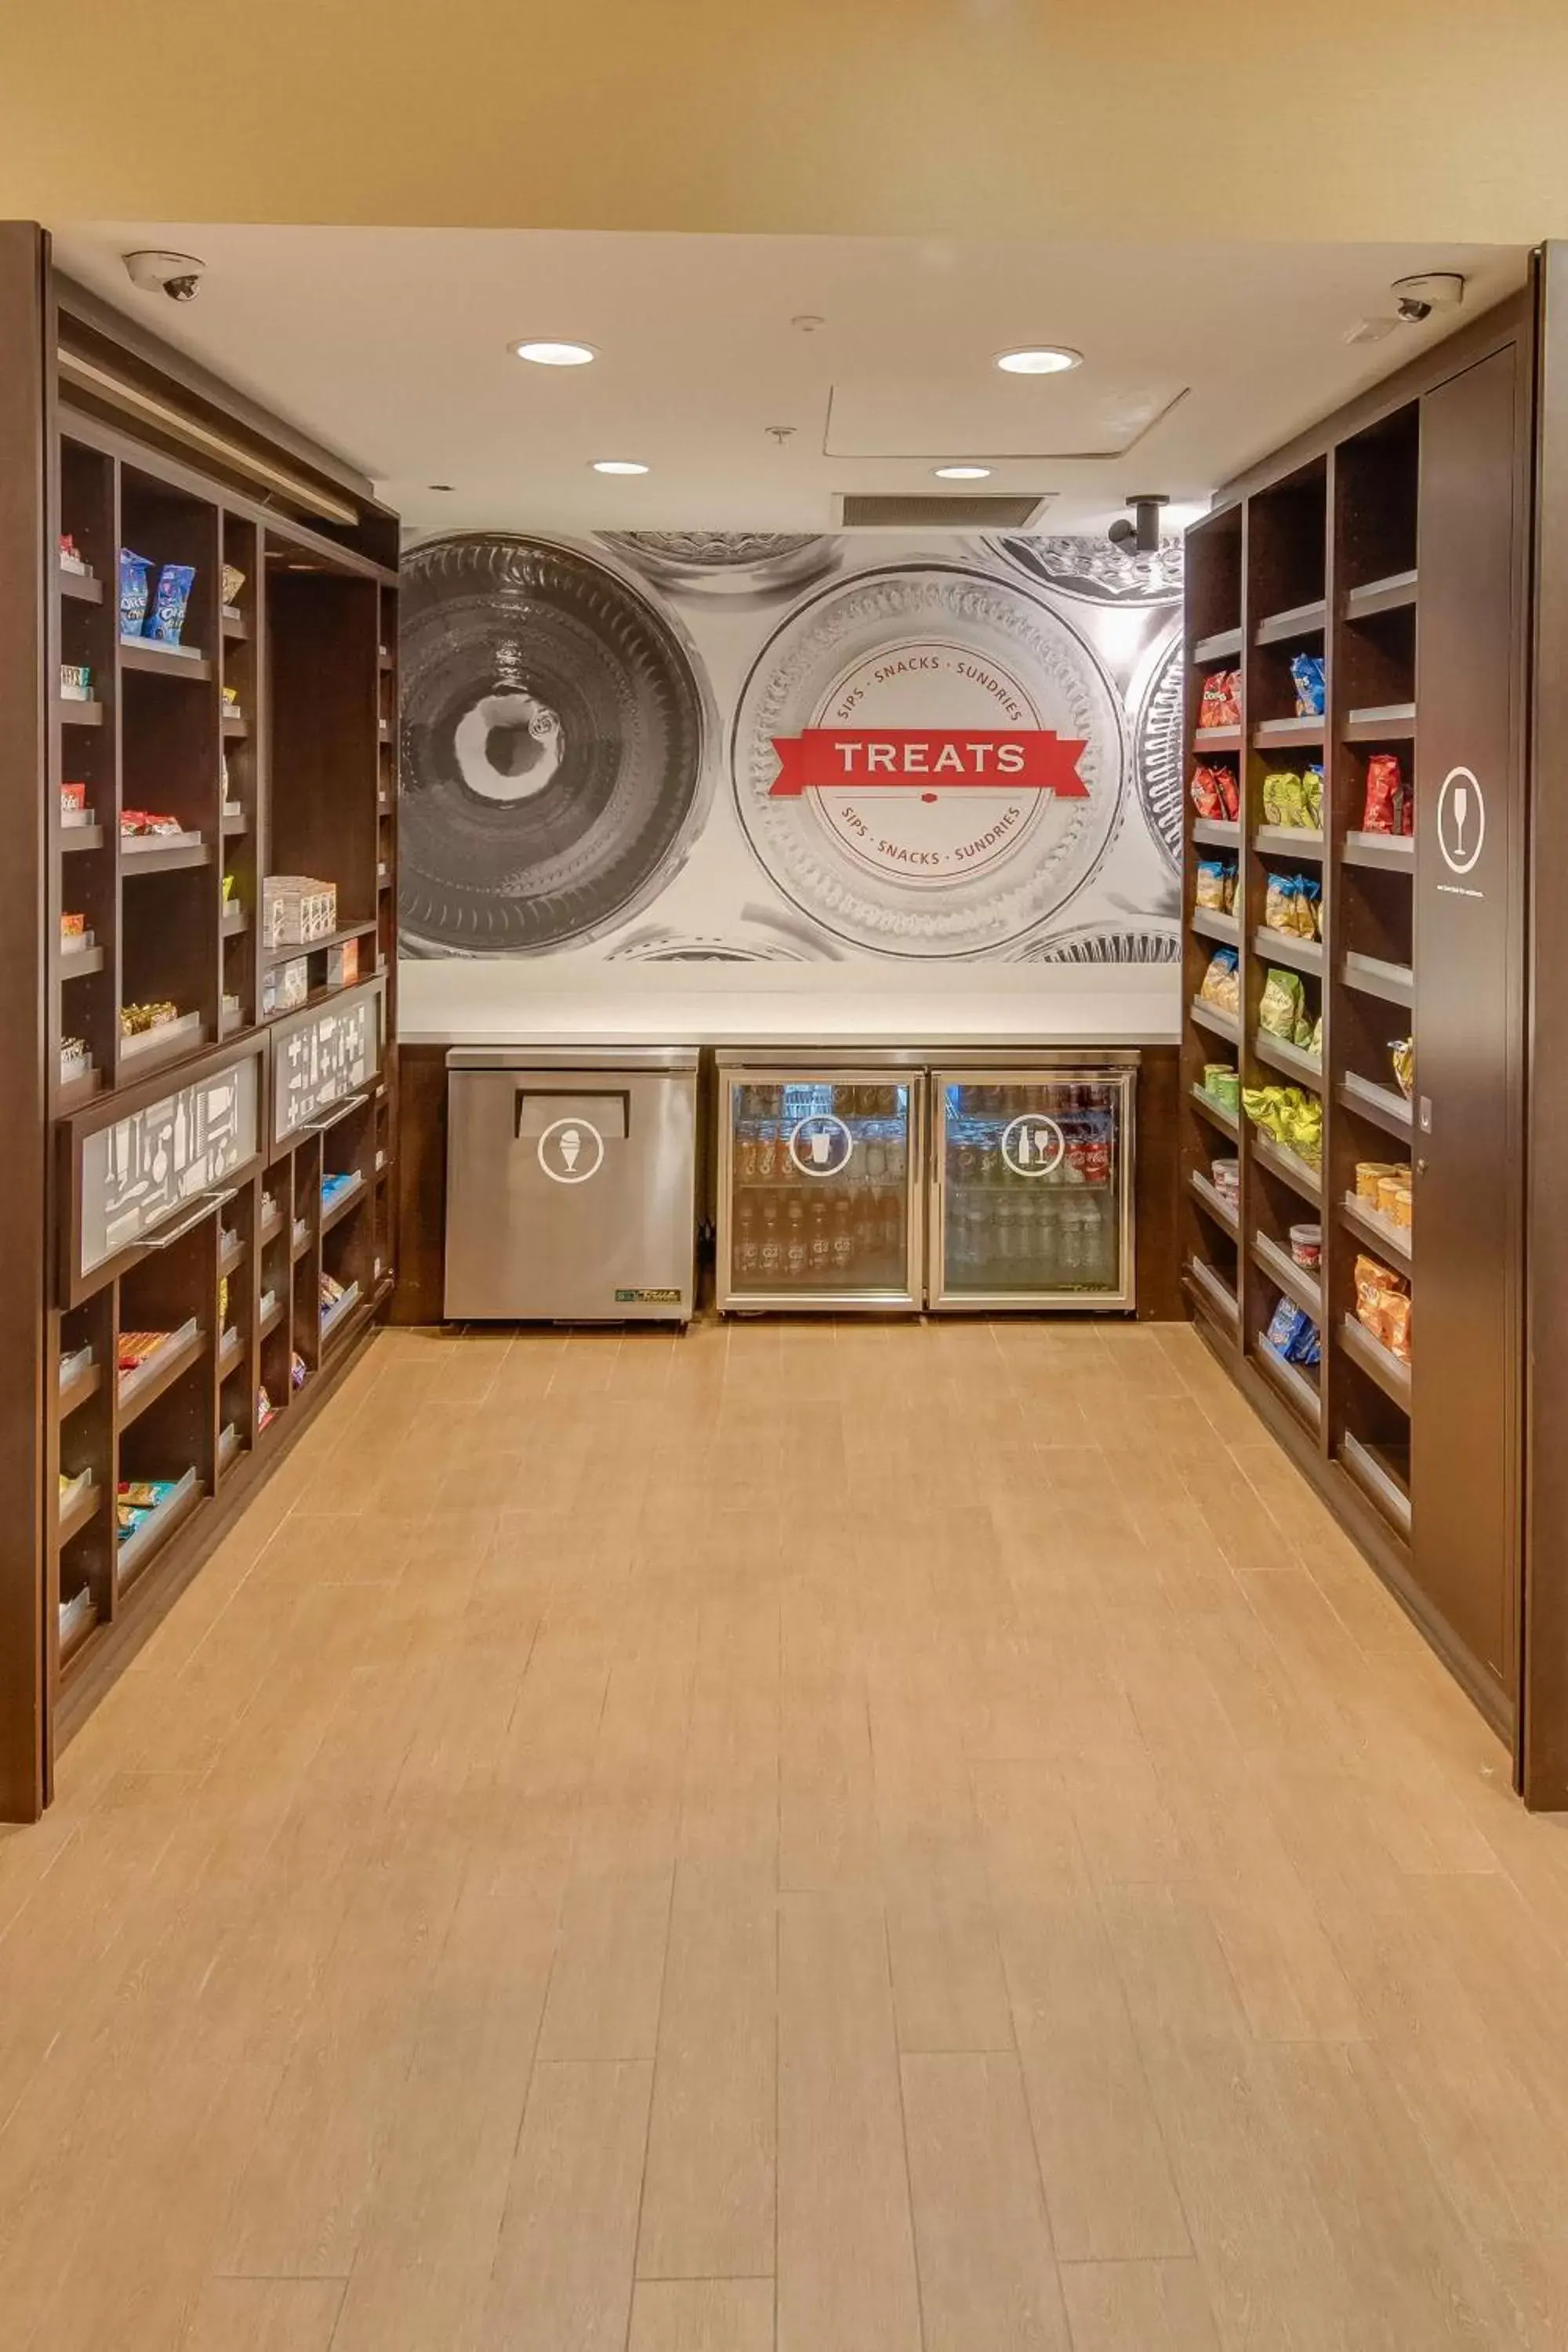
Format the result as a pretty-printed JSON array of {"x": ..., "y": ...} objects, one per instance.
[{"x": 1391, "y": 118}]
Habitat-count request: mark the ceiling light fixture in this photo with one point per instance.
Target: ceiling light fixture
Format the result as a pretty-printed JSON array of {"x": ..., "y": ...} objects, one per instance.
[
  {"x": 557, "y": 354},
  {"x": 1043, "y": 359},
  {"x": 961, "y": 473},
  {"x": 618, "y": 466}
]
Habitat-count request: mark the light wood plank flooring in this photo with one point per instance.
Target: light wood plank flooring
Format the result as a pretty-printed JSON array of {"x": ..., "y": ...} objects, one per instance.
[{"x": 799, "y": 1838}]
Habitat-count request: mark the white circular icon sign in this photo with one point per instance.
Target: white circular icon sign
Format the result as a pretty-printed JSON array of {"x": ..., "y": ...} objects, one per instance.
[
  {"x": 571, "y": 1151},
  {"x": 1461, "y": 820},
  {"x": 1033, "y": 1145},
  {"x": 820, "y": 1145}
]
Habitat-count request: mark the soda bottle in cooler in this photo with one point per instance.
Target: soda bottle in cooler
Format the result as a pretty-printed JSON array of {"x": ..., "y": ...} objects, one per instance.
[
  {"x": 843, "y": 1237},
  {"x": 797, "y": 1254},
  {"x": 748, "y": 1248},
  {"x": 769, "y": 1249},
  {"x": 767, "y": 1154},
  {"x": 820, "y": 1243}
]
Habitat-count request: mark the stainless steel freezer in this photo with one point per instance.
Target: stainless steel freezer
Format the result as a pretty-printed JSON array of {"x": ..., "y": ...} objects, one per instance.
[
  {"x": 571, "y": 1184},
  {"x": 821, "y": 1181},
  {"x": 1031, "y": 1184}
]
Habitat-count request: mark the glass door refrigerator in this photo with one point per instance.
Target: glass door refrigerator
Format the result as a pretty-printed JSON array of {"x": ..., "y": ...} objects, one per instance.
[
  {"x": 821, "y": 1182},
  {"x": 1031, "y": 1193}
]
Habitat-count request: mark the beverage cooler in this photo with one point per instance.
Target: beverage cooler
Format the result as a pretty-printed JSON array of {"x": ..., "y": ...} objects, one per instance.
[{"x": 897, "y": 1181}]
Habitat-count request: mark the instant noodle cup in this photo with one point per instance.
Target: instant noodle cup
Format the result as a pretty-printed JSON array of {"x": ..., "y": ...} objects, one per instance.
[{"x": 1307, "y": 1248}]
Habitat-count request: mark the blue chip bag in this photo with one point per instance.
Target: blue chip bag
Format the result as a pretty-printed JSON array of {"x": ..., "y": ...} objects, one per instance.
[
  {"x": 1284, "y": 1327},
  {"x": 135, "y": 576},
  {"x": 1307, "y": 669},
  {"x": 169, "y": 605}
]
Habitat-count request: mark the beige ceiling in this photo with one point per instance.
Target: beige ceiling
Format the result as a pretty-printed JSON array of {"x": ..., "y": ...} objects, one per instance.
[
  {"x": 982, "y": 117},
  {"x": 391, "y": 345}
]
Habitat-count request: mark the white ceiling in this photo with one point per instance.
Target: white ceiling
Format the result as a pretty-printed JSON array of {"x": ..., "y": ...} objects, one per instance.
[{"x": 391, "y": 345}]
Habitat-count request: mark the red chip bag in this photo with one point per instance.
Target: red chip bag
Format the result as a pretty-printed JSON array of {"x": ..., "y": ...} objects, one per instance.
[
  {"x": 1384, "y": 795},
  {"x": 1205, "y": 792},
  {"x": 1408, "y": 810},
  {"x": 1228, "y": 791},
  {"x": 1221, "y": 704}
]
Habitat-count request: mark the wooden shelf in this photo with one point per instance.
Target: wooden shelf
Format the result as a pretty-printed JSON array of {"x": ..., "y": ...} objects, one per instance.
[
  {"x": 1216, "y": 1113},
  {"x": 1288, "y": 1059},
  {"x": 1208, "y": 1195},
  {"x": 145, "y": 653},
  {"x": 1218, "y": 832},
  {"x": 1284, "y": 947},
  {"x": 1382, "y": 1105},
  {"x": 1395, "y": 594},
  {"x": 1389, "y": 853},
  {"x": 146, "y": 854},
  {"x": 155, "y": 1049},
  {"x": 235, "y": 822},
  {"x": 1224, "y": 644},
  {"x": 1303, "y": 1289},
  {"x": 236, "y": 922},
  {"x": 77, "y": 1391},
  {"x": 79, "y": 587},
  {"x": 231, "y": 1355},
  {"x": 1292, "y": 1170},
  {"x": 1287, "y": 734},
  {"x": 136, "y": 1391},
  {"x": 1392, "y": 1242},
  {"x": 1386, "y": 722},
  {"x": 232, "y": 1253},
  {"x": 1380, "y": 1364},
  {"x": 1209, "y": 1016},
  {"x": 1382, "y": 1476},
  {"x": 1297, "y": 621},
  {"x": 137, "y": 1553},
  {"x": 1393, "y": 983},
  {"x": 234, "y": 729},
  {"x": 1298, "y": 841},
  {"x": 83, "y": 1506},
  {"x": 78, "y": 714},
  {"x": 1292, "y": 1382},
  {"x": 343, "y": 1206},
  {"x": 337, "y": 938},
  {"x": 1205, "y": 1285},
  {"x": 1216, "y": 739},
  {"x": 80, "y": 836},
  {"x": 235, "y": 624},
  {"x": 271, "y": 1320},
  {"x": 75, "y": 1094},
  {"x": 85, "y": 961},
  {"x": 1210, "y": 926}
]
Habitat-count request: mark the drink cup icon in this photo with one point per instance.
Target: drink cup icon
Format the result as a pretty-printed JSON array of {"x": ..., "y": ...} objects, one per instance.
[
  {"x": 570, "y": 1146},
  {"x": 821, "y": 1145}
]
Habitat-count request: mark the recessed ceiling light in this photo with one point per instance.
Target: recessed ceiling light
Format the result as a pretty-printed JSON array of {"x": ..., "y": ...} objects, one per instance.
[
  {"x": 961, "y": 473},
  {"x": 1043, "y": 359},
  {"x": 618, "y": 466},
  {"x": 557, "y": 354}
]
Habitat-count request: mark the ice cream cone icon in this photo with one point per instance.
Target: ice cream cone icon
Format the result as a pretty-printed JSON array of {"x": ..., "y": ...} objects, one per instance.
[{"x": 571, "y": 1145}]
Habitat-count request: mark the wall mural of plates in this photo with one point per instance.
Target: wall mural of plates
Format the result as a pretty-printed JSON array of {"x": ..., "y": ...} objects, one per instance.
[
  {"x": 552, "y": 735},
  {"x": 955, "y": 862},
  {"x": 722, "y": 748}
]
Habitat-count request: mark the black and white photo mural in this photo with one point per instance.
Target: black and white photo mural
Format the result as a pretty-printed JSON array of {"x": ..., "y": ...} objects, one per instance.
[{"x": 715, "y": 749}]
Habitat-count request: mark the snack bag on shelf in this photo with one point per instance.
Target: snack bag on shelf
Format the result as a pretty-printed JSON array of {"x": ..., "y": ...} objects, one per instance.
[
  {"x": 1221, "y": 702},
  {"x": 1223, "y": 1086},
  {"x": 1313, "y": 1043},
  {"x": 135, "y": 578},
  {"x": 1214, "y": 885},
  {"x": 1280, "y": 1009},
  {"x": 1307, "y": 670},
  {"x": 1384, "y": 809},
  {"x": 233, "y": 582},
  {"x": 1276, "y": 784},
  {"x": 1284, "y": 1324},
  {"x": 1204, "y": 792},
  {"x": 1312, "y": 798},
  {"x": 1383, "y": 1306},
  {"x": 1301, "y": 1126},
  {"x": 1229, "y": 792},
  {"x": 1222, "y": 981},
  {"x": 172, "y": 596},
  {"x": 1278, "y": 910},
  {"x": 1402, "y": 1052}
]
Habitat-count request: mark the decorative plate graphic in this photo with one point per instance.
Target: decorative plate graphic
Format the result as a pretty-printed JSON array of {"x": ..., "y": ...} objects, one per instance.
[
  {"x": 1106, "y": 943},
  {"x": 726, "y": 562},
  {"x": 553, "y": 726},
  {"x": 949, "y": 865},
  {"x": 770, "y": 937},
  {"x": 1157, "y": 746},
  {"x": 1093, "y": 568}
]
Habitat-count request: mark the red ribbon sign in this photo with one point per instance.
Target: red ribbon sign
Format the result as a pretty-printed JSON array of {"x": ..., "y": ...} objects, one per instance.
[{"x": 925, "y": 758}]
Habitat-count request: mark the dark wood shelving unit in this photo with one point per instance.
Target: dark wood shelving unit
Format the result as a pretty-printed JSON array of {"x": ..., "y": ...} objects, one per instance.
[
  {"x": 301, "y": 778},
  {"x": 1391, "y": 544}
]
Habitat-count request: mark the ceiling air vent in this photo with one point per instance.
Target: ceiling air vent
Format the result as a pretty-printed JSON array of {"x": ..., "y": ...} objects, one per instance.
[{"x": 941, "y": 511}]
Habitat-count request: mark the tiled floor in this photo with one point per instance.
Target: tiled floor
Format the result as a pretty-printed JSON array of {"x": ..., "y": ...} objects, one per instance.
[{"x": 835, "y": 1838}]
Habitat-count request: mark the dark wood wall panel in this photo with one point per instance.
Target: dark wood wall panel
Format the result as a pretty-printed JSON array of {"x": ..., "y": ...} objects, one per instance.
[
  {"x": 26, "y": 653},
  {"x": 1469, "y": 957}
]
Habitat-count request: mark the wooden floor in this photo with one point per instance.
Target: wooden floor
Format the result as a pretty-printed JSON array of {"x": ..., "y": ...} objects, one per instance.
[{"x": 842, "y": 1839}]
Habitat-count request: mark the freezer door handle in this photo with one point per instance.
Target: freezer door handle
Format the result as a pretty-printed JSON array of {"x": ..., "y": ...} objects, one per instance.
[{"x": 537, "y": 1108}]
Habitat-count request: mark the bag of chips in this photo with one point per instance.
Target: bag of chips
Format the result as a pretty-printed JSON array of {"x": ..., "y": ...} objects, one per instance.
[
  {"x": 1221, "y": 702},
  {"x": 1213, "y": 884},
  {"x": 1206, "y": 793},
  {"x": 1280, "y": 1006},
  {"x": 1274, "y": 782},
  {"x": 1277, "y": 909},
  {"x": 1312, "y": 798},
  {"x": 1384, "y": 810},
  {"x": 1383, "y": 1306},
  {"x": 1222, "y": 981},
  {"x": 1307, "y": 670},
  {"x": 1403, "y": 1052}
]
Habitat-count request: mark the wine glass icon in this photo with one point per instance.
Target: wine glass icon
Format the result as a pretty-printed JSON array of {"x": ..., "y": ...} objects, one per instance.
[{"x": 1461, "y": 811}]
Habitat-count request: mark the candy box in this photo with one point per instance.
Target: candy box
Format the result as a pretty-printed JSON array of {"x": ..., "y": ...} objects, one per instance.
[
  {"x": 296, "y": 908},
  {"x": 76, "y": 682},
  {"x": 73, "y": 805}
]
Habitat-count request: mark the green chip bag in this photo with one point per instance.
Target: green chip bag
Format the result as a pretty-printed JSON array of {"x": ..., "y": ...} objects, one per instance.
[{"x": 1280, "y": 1008}]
